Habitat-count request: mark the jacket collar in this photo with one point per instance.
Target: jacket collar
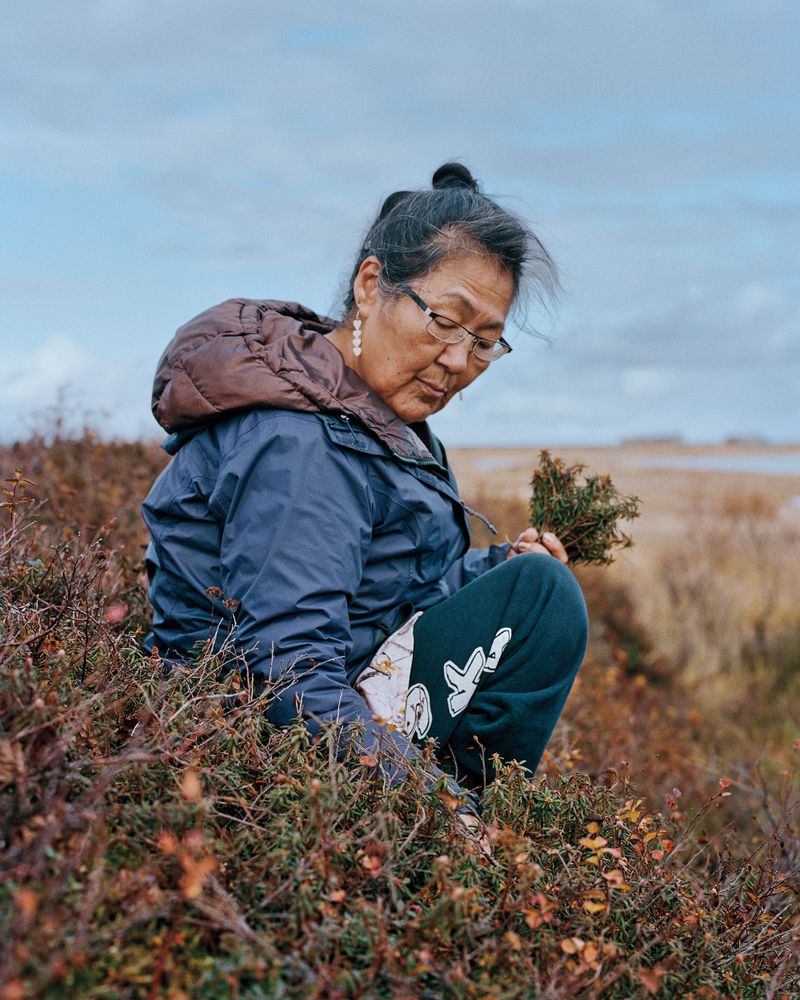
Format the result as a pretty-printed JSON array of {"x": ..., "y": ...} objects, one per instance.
[{"x": 248, "y": 353}]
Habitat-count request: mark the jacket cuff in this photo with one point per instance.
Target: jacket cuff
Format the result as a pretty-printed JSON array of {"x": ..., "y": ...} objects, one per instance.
[{"x": 376, "y": 737}]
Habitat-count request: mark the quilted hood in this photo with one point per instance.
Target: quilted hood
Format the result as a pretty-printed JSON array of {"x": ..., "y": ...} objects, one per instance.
[{"x": 246, "y": 353}]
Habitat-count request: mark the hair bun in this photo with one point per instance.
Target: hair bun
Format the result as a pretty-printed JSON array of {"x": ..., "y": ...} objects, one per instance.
[
  {"x": 391, "y": 201},
  {"x": 454, "y": 175}
]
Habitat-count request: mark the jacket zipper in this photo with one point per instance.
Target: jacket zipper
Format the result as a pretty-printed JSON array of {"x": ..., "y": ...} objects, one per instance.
[{"x": 427, "y": 462}]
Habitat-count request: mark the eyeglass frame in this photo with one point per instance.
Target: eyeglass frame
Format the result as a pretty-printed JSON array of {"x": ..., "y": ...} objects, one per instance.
[{"x": 475, "y": 338}]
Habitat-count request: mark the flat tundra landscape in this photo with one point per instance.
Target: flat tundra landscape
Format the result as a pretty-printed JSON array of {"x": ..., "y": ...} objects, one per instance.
[{"x": 678, "y": 484}]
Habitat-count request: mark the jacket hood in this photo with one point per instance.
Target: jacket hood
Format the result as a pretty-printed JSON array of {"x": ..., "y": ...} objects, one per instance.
[{"x": 245, "y": 353}]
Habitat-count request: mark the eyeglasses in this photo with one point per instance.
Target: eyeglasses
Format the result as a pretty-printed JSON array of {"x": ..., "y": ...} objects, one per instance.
[{"x": 449, "y": 332}]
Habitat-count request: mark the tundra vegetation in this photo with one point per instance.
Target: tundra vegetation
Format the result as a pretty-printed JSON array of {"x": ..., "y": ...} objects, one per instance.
[{"x": 160, "y": 839}]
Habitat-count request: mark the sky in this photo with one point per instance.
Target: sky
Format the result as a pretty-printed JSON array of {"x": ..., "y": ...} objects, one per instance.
[{"x": 157, "y": 158}]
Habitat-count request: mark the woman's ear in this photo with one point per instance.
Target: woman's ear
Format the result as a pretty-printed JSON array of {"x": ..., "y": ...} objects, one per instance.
[{"x": 365, "y": 286}]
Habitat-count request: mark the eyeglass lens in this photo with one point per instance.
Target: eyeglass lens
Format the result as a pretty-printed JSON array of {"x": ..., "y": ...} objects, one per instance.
[{"x": 486, "y": 351}]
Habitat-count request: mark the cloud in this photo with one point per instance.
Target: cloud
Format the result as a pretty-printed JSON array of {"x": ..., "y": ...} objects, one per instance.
[
  {"x": 703, "y": 367},
  {"x": 61, "y": 376},
  {"x": 754, "y": 326},
  {"x": 655, "y": 145},
  {"x": 33, "y": 374},
  {"x": 153, "y": 84}
]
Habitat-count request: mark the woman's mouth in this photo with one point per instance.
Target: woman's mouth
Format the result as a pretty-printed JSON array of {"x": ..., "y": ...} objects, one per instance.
[{"x": 431, "y": 389}]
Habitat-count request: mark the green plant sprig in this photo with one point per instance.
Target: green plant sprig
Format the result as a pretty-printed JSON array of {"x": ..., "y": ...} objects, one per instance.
[{"x": 584, "y": 515}]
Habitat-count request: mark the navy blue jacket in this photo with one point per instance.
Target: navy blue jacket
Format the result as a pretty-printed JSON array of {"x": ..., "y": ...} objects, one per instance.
[{"x": 301, "y": 537}]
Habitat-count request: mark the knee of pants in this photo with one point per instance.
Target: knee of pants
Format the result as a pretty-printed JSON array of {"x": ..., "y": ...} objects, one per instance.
[{"x": 555, "y": 583}]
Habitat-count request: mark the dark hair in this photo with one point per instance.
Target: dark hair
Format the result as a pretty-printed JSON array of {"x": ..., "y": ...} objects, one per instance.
[{"x": 416, "y": 230}]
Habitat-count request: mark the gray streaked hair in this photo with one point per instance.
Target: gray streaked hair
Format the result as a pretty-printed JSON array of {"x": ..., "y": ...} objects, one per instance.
[{"x": 417, "y": 230}]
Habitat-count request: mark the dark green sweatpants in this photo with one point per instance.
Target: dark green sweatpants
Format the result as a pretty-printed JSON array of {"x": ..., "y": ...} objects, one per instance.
[{"x": 494, "y": 663}]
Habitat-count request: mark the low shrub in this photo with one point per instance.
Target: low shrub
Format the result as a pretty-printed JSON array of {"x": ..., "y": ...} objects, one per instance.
[{"x": 161, "y": 839}]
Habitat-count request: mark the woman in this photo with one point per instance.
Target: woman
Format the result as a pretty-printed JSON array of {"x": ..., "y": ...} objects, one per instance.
[{"x": 309, "y": 495}]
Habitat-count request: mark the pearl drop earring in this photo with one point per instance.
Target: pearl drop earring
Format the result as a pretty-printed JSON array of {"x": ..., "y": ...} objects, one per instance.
[{"x": 357, "y": 335}]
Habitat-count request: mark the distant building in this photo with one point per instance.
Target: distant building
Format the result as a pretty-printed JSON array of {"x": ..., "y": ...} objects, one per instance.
[
  {"x": 671, "y": 439},
  {"x": 748, "y": 440}
]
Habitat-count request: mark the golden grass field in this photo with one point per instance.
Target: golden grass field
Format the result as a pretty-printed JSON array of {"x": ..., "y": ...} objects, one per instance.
[
  {"x": 712, "y": 573},
  {"x": 671, "y": 497}
]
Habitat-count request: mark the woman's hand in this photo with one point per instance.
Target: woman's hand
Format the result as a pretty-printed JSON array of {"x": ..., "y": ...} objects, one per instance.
[
  {"x": 476, "y": 829},
  {"x": 531, "y": 541}
]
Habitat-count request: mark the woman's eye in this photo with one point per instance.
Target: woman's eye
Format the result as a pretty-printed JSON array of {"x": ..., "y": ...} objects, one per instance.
[
  {"x": 445, "y": 324},
  {"x": 486, "y": 345}
]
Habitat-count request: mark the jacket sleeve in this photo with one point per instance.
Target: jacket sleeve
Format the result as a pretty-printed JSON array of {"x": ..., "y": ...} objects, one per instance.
[
  {"x": 295, "y": 528},
  {"x": 473, "y": 563}
]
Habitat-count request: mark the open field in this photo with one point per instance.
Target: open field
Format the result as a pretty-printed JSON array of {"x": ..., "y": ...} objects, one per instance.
[
  {"x": 712, "y": 576},
  {"x": 670, "y": 494},
  {"x": 160, "y": 839}
]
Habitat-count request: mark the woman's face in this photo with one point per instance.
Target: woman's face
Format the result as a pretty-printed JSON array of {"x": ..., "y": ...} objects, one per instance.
[{"x": 413, "y": 373}]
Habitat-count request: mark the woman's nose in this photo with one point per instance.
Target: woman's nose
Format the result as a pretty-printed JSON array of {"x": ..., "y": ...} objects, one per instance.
[{"x": 455, "y": 357}]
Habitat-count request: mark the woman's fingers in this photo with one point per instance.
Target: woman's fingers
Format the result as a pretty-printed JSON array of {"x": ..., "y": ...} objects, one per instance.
[
  {"x": 531, "y": 541},
  {"x": 528, "y": 538},
  {"x": 528, "y": 547},
  {"x": 555, "y": 547}
]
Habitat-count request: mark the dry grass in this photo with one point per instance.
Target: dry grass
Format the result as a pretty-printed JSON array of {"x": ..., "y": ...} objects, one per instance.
[
  {"x": 161, "y": 840},
  {"x": 702, "y": 619},
  {"x": 713, "y": 574}
]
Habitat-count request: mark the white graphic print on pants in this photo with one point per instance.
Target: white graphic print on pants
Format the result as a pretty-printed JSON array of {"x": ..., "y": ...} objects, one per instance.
[
  {"x": 384, "y": 684},
  {"x": 464, "y": 682}
]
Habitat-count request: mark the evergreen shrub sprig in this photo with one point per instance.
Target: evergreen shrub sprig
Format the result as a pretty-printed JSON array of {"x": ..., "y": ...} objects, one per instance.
[{"x": 584, "y": 515}]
